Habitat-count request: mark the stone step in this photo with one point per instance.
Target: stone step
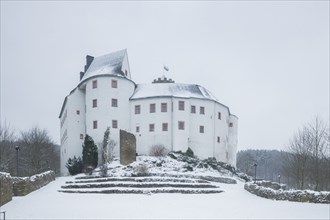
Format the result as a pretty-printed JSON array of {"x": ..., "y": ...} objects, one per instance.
[
  {"x": 144, "y": 191},
  {"x": 226, "y": 180},
  {"x": 138, "y": 185},
  {"x": 138, "y": 179}
]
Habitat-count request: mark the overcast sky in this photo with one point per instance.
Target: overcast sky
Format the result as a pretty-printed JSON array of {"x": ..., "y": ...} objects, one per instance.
[{"x": 267, "y": 61}]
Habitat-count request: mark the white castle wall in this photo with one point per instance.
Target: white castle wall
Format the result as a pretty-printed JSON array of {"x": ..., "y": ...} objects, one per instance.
[
  {"x": 204, "y": 144},
  {"x": 73, "y": 127},
  {"x": 232, "y": 140},
  {"x": 104, "y": 113},
  {"x": 146, "y": 139}
]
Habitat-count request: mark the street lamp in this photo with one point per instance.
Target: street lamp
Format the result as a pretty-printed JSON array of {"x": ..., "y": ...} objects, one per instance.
[
  {"x": 17, "y": 149},
  {"x": 255, "y": 172},
  {"x": 279, "y": 179}
]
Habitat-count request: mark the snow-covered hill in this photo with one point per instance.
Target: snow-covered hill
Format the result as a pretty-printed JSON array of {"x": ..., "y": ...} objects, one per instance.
[{"x": 232, "y": 203}]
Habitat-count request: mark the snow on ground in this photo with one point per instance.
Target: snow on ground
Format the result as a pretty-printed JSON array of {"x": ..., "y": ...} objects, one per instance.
[{"x": 233, "y": 203}]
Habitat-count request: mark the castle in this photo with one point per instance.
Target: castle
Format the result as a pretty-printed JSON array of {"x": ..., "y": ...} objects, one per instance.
[{"x": 174, "y": 115}]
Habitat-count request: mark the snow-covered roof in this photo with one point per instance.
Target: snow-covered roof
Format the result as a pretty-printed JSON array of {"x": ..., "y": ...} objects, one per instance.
[
  {"x": 107, "y": 64},
  {"x": 172, "y": 89}
]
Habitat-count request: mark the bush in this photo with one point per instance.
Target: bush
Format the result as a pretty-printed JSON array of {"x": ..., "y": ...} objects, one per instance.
[
  {"x": 104, "y": 170},
  {"x": 189, "y": 152},
  {"x": 142, "y": 170},
  {"x": 74, "y": 165},
  {"x": 88, "y": 170},
  {"x": 90, "y": 152},
  {"x": 158, "y": 151}
]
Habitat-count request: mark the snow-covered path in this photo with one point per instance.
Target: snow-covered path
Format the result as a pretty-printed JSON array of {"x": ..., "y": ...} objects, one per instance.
[{"x": 234, "y": 203}]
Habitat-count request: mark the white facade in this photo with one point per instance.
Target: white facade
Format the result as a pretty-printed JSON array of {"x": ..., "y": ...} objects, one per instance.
[{"x": 175, "y": 115}]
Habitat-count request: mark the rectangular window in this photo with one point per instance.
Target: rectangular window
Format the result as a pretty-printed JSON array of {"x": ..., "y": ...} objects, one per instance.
[
  {"x": 202, "y": 110},
  {"x": 165, "y": 127},
  {"x": 201, "y": 129},
  {"x": 181, "y": 105},
  {"x": 94, "y": 84},
  {"x": 114, "y": 102},
  {"x": 151, "y": 127},
  {"x": 231, "y": 124},
  {"x": 163, "y": 107},
  {"x": 137, "y": 109},
  {"x": 218, "y": 139},
  {"x": 152, "y": 108},
  {"x": 114, "y": 124},
  {"x": 94, "y": 124},
  {"x": 219, "y": 115},
  {"x": 137, "y": 129},
  {"x": 193, "y": 109},
  {"x": 181, "y": 125},
  {"x": 94, "y": 103},
  {"x": 78, "y": 112},
  {"x": 81, "y": 136},
  {"x": 114, "y": 84}
]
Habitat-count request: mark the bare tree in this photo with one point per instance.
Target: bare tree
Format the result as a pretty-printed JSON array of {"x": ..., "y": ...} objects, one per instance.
[
  {"x": 158, "y": 150},
  {"x": 37, "y": 151},
  {"x": 308, "y": 161},
  {"x": 107, "y": 147},
  {"x": 7, "y": 149},
  {"x": 319, "y": 134}
]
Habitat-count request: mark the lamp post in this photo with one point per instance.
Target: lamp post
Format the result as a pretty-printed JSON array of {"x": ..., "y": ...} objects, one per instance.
[
  {"x": 255, "y": 172},
  {"x": 17, "y": 149},
  {"x": 279, "y": 179}
]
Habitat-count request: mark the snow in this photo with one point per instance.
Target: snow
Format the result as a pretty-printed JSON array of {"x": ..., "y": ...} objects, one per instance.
[
  {"x": 230, "y": 201},
  {"x": 106, "y": 64},
  {"x": 7, "y": 175},
  {"x": 233, "y": 203},
  {"x": 172, "y": 89}
]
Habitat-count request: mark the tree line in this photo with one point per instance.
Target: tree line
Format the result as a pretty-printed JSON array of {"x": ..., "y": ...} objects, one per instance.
[
  {"x": 305, "y": 164},
  {"x": 28, "y": 152}
]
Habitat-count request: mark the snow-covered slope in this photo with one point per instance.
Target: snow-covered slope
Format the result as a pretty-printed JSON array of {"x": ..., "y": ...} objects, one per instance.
[{"x": 232, "y": 203}]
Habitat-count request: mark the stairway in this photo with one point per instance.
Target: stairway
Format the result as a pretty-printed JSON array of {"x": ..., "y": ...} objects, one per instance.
[{"x": 139, "y": 185}]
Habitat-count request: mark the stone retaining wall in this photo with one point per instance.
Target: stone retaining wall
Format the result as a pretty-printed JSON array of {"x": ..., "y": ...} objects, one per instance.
[
  {"x": 291, "y": 195},
  {"x": 6, "y": 188},
  {"x": 24, "y": 185}
]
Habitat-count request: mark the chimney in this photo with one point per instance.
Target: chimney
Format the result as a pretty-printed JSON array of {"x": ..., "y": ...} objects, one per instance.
[
  {"x": 89, "y": 60},
  {"x": 82, "y": 75}
]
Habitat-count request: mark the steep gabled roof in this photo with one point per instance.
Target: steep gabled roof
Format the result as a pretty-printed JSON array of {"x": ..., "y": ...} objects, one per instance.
[{"x": 106, "y": 64}]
